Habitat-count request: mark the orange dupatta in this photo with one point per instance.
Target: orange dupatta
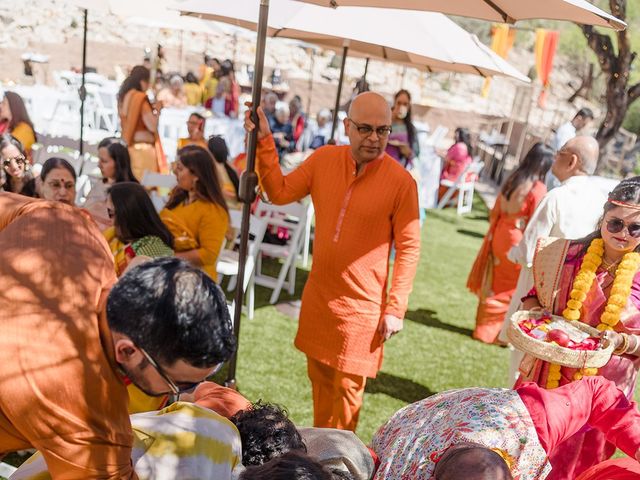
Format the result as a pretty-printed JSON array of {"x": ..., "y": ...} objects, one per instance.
[{"x": 132, "y": 119}]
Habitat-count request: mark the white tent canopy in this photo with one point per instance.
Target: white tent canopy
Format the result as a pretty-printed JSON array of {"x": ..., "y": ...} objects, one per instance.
[
  {"x": 426, "y": 39},
  {"x": 509, "y": 11}
]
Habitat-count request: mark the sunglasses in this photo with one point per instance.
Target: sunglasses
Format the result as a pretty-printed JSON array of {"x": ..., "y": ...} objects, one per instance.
[
  {"x": 366, "y": 130},
  {"x": 615, "y": 225},
  {"x": 19, "y": 161},
  {"x": 180, "y": 387}
]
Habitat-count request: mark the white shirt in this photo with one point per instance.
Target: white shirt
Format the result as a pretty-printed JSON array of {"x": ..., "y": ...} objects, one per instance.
[
  {"x": 570, "y": 211},
  {"x": 565, "y": 132}
]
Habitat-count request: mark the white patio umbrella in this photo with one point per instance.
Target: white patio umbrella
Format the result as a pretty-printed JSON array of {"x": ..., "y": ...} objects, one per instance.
[
  {"x": 427, "y": 39},
  {"x": 507, "y": 11}
]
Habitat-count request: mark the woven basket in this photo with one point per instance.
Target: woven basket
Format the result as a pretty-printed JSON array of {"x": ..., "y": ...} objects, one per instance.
[{"x": 553, "y": 353}]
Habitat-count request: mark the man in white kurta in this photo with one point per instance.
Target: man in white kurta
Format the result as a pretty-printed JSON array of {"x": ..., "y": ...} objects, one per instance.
[{"x": 570, "y": 211}]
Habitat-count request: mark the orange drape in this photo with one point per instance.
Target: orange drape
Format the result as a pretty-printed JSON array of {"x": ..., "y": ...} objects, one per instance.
[
  {"x": 545, "y": 50},
  {"x": 502, "y": 38}
]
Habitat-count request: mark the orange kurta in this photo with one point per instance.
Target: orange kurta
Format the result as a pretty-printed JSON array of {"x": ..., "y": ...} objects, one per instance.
[
  {"x": 357, "y": 219},
  {"x": 59, "y": 389}
]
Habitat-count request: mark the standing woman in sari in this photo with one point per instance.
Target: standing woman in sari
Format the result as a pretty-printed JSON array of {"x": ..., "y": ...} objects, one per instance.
[
  {"x": 139, "y": 123},
  {"x": 196, "y": 213},
  {"x": 594, "y": 280},
  {"x": 493, "y": 277}
]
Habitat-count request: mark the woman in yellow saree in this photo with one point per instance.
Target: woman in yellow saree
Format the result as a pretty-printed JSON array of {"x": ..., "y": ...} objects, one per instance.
[{"x": 139, "y": 122}]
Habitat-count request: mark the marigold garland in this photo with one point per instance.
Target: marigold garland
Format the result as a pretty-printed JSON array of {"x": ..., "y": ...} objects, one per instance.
[{"x": 620, "y": 291}]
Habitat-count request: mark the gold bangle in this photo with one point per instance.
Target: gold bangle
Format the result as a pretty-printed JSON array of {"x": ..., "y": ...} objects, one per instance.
[
  {"x": 625, "y": 345},
  {"x": 636, "y": 344}
]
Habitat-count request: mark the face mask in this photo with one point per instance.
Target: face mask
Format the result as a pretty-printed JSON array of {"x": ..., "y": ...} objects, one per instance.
[{"x": 403, "y": 110}]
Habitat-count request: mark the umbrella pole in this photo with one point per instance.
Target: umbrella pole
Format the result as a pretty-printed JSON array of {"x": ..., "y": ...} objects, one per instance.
[
  {"x": 334, "y": 125},
  {"x": 366, "y": 69},
  {"x": 248, "y": 183},
  {"x": 83, "y": 91},
  {"x": 311, "y": 69}
]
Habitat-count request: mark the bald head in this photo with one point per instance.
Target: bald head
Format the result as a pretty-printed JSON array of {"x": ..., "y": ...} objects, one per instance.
[
  {"x": 368, "y": 126},
  {"x": 370, "y": 104},
  {"x": 587, "y": 150}
]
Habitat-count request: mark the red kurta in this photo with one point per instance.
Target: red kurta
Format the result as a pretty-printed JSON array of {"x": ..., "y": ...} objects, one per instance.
[{"x": 358, "y": 217}]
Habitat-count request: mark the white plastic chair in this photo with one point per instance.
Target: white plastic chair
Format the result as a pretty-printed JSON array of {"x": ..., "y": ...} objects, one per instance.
[
  {"x": 293, "y": 217},
  {"x": 439, "y": 133},
  {"x": 158, "y": 180},
  {"x": 464, "y": 186},
  {"x": 228, "y": 260},
  {"x": 306, "y": 245}
]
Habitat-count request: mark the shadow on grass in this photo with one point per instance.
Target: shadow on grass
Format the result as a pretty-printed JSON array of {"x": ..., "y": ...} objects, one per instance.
[
  {"x": 430, "y": 319},
  {"x": 397, "y": 387},
  {"x": 470, "y": 233}
]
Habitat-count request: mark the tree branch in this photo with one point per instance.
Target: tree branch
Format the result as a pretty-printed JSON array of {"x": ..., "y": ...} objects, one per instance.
[
  {"x": 633, "y": 93},
  {"x": 602, "y": 47}
]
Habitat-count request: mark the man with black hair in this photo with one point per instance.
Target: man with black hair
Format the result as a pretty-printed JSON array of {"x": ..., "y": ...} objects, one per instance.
[
  {"x": 266, "y": 433},
  {"x": 290, "y": 466},
  {"x": 568, "y": 130},
  {"x": 64, "y": 357}
]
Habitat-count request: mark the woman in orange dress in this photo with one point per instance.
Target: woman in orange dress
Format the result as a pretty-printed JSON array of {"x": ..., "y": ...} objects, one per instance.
[
  {"x": 493, "y": 277},
  {"x": 139, "y": 121}
]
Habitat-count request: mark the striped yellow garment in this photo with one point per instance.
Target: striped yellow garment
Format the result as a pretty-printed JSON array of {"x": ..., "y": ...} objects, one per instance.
[{"x": 181, "y": 441}]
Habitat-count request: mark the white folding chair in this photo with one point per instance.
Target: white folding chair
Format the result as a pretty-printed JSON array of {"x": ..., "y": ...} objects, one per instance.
[
  {"x": 439, "y": 133},
  {"x": 294, "y": 218},
  {"x": 306, "y": 245},
  {"x": 153, "y": 180},
  {"x": 229, "y": 260},
  {"x": 465, "y": 186}
]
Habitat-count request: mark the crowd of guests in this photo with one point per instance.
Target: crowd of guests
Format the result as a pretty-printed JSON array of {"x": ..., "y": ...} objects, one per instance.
[{"x": 154, "y": 325}]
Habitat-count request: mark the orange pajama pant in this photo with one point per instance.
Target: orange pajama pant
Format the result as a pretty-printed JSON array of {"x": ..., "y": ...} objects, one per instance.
[{"x": 337, "y": 396}]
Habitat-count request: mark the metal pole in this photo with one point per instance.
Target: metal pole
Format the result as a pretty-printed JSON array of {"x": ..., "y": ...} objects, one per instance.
[
  {"x": 334, "y": 125},
  {"x": 83, "y": 91},
  {"x": 311, "y": 69},
  {"x": 366, "y": 69},
  {"x": 248, "y": 183}
]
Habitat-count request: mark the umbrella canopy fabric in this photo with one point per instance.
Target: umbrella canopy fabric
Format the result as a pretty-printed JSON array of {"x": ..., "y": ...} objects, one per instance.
[
  {"x": 425, "y": 39},
  {"x": 149, "y": 13},
  {"x": 509, "y": 11}
]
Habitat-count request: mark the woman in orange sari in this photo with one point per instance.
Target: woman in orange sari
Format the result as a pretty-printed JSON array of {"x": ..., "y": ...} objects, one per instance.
[
  {"x": 139, "y": 122},
  {"x": 493, "y": 277}
]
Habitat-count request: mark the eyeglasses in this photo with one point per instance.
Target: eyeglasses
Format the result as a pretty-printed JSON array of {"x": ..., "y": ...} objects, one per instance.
[
  {"x": 366, "y": 130},
  {"x": 615, "y": 225},
  {"x": 57, "y": 185},
  {"x": 176, "y": 389},
  {"x": 20, "y": 160}
]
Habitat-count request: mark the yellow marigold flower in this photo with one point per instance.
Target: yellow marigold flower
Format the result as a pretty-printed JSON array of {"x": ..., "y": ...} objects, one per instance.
[
  {"x": 618, "y": 300},
  {"x": 609, "y": 318},
  {"x": 615, "y": 309},
  {"x": 552, "y": 384},
  {"x": 570, "y": 314},
  {"x": 554, "y": 376},
  {"x": 593, "y": 258},
  {"x": 603, "y": 327},
  {"x": 578, "y": 295},
  {"x": 589, "y": 266},
  {"x": 581, "y": 286},
  {"x": 620, "y": 290},
  {"x": 577, "y": 376},
  {"x": 574, "y": 304},
  {"x": 590, "y": 371}
]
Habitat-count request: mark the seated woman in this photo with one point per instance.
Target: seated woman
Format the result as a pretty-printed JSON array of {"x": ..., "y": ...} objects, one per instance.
[
  {"x": 13, "y": 114},
  {"x": 57, "y": 181},
  {"x": 139, "y": 120},
  {"x": 137, "y": 228},
  {"x": 115, "y": 166},
  {"x": 594, "y": 280},
  {"x": 196, "y": 212},
  {"x": 282, "y": 130},
  {"x": 15, "y": 166},
  {"x": 458, "y": 158},
  {"x": 493, "y": 277},
  {"x": 229, "y": 181},
  {"x": 195, "y": 128}
]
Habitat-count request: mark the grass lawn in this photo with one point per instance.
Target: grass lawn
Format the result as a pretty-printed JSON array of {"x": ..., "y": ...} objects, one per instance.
[{"x": 434, "y": 352}]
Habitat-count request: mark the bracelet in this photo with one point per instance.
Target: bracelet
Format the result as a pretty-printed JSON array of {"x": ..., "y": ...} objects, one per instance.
[
  {"x": 636, "y": 344},
  {"x": 624, "y": 347}
]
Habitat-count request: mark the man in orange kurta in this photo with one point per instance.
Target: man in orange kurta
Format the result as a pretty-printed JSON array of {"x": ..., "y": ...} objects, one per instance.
[
  {"x": 62, "y": 364},
  {"x": 364, "y": 201}
]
